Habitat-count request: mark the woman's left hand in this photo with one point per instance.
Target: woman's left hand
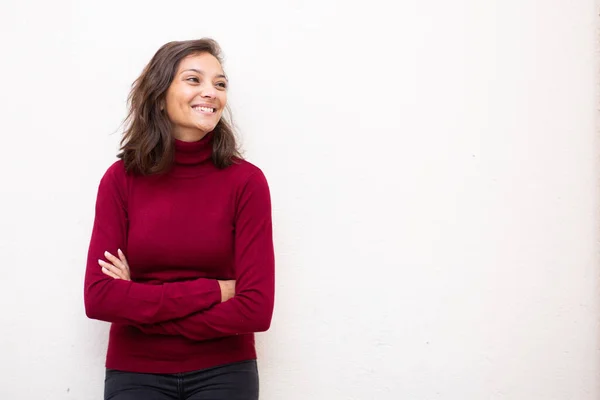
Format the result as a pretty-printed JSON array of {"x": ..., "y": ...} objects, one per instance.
[{"x": 117, "y": 268}]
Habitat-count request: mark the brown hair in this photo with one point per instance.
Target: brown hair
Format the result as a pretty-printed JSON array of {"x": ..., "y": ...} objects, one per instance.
[{"x": 147, "y": 146}]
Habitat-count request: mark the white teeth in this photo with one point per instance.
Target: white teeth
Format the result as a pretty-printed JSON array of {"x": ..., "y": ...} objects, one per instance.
[{"x": 205, "y": 109}]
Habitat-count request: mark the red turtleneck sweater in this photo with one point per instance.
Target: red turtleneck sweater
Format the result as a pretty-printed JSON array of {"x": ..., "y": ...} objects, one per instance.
[{"x": 181, "y": 232}]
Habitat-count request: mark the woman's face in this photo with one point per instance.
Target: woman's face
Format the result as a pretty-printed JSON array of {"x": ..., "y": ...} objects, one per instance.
[{"x": 197, "y": 96}]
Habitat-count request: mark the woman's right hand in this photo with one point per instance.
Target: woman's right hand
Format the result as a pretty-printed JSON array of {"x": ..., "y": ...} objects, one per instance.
[{"x": 227, "y": 290}]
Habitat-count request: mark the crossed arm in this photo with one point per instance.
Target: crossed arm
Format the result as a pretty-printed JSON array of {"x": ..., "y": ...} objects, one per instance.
[{"x": 200, "y": 309}]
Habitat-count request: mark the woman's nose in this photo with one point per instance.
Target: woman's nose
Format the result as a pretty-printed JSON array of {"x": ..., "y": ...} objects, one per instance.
[{"x": 209, "y": 92}]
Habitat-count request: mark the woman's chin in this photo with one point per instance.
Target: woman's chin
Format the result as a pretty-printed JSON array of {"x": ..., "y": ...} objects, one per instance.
[{"x": 205, "y": 128}]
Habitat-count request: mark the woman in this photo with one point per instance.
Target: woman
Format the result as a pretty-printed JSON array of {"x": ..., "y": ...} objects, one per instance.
[{"x": 181, "y": 253}]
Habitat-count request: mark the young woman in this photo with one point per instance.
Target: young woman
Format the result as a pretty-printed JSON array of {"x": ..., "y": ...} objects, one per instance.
[{"x": 181, "y": 254}]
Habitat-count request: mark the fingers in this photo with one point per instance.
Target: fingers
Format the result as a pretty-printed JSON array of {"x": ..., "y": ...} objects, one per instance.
[
  {"x": 122, "y": 258},
  {"x": 114, "y": 260},
  {"x": 227, "y": 289},
  {"x": 112, "y": 270},
  {"x": 116, "y": 267},
  {"x": 107, "y": 272}
]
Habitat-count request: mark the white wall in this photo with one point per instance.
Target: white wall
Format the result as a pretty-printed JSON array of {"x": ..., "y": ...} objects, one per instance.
[{"x": 435, "y": 179}]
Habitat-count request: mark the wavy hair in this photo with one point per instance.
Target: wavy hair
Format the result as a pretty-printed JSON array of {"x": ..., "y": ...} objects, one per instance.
[{"x": 147, "y": 146}]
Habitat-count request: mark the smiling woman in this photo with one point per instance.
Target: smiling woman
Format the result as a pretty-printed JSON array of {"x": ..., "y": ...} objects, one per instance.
[
  {"x": 196, "y": 97},
  {"x": 172, "y": 100},
  {"x": 181, "y": 257}
]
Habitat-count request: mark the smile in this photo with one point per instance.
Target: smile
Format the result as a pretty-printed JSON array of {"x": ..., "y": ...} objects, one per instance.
[{"x": 204, "y": 110}]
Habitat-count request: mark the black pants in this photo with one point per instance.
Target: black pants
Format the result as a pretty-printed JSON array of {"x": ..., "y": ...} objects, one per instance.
[{"x": 237, "y": 381}]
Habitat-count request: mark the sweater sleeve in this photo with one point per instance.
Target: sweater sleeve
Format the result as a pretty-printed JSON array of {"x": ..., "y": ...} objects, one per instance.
[
  {"x": 120, "y": 301},
  {"x": 251, "y": 309}
]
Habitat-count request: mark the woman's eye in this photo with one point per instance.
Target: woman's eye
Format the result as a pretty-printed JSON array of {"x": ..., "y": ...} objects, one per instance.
[
  {"x": 222, "y": 85},
  {"x": 193, "y": 79}
]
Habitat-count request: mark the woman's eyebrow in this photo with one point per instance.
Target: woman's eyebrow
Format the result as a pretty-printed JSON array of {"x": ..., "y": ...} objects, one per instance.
[{"x": 202, "y": 73}]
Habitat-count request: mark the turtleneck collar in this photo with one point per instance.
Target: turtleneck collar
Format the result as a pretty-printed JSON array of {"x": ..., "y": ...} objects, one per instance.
[{"x": 193, "y": 153}]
